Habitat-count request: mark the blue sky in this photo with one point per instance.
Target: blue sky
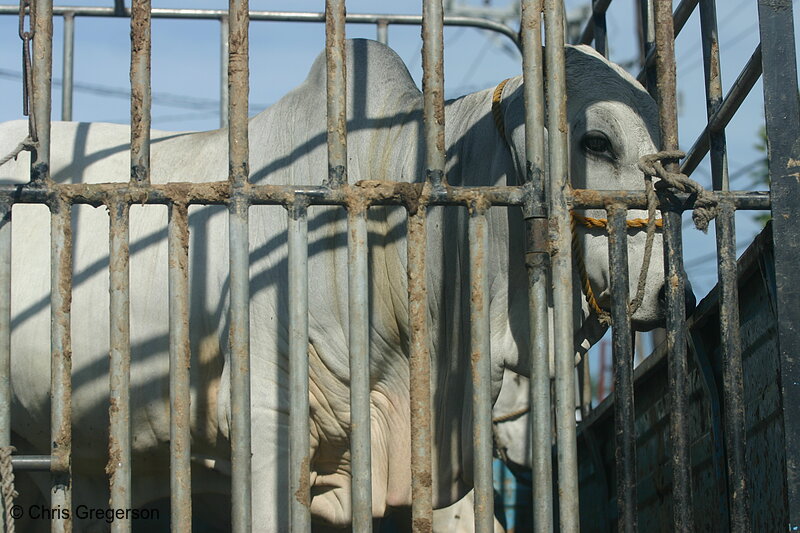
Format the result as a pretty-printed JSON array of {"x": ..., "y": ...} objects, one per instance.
[{"x": 186, "y": 66}]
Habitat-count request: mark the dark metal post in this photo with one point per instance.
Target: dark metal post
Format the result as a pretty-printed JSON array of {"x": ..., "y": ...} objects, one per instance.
[
  {"x": 624, "y": 429},
  {"x": 730, "y": 342},
  {"x": 783, "y": 131},
  {"x": 674, "y": 284}
]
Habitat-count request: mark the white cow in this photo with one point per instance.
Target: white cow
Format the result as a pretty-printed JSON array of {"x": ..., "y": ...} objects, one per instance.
[{"x": 613, "y": 123}]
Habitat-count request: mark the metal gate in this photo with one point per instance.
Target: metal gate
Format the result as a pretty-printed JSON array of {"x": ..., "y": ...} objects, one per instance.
[{"x": 548, "y": 258}]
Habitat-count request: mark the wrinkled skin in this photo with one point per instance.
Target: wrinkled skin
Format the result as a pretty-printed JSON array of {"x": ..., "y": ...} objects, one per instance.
[{"x": 287, "y": 146}]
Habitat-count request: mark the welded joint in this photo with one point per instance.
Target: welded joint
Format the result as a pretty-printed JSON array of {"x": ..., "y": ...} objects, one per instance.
[{"x": 478, "y": 205}]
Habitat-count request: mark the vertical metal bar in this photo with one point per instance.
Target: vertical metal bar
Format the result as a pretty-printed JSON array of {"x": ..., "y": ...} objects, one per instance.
[
  {"x": 67, "y": 66},
  {"x": 675, "y": 282},
  {"x": 600, "y": 33},
  {"x": 223, "y": 71},
  {"x": 140, "y": 91},
  {"x": 561, "y": 261},
  {"x": 480, "y": 360},
  {"x": 119, "y": 411},
  {"x": 238, "y": 228},
  {"x": 779, "y": 61},
  {"x": 299, "y": 443},
  {"x": 433, "y": 90},
  {"x": 537, "y": 261},
  {"x": 358, "y": 283},
  {"x": 624, "y": 430},
  {"x": 420, "y": 375},
  {"x": 647, "y": 40},
  {"x": 733, "y": 378},
  {"x": 42, "y": 85},
  {"x": 383, "y": 32},
  {"x": 5, "y": 324},
  {"x": 61, "y": 364},
  {"x": 336, "y": 85},
  {"x": 179, "y": 361}
]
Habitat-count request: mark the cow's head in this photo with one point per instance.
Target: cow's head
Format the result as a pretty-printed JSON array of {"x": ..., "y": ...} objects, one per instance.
[{"x": 613, "y": 122}]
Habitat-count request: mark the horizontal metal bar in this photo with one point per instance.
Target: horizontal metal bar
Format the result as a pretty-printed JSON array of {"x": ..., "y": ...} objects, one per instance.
[
  {"x": 720, "y": 119},
  {"x": 31, "y": 462},
  {"x": 282, "y": 16},
  {"x": 387, "y": 193}
]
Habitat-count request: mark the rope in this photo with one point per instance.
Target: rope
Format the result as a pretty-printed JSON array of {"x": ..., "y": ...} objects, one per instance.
[
  {"x": 497, "y": 111},
  {"x": 26, "y": 144},
  {"x": 705, "y": 209},
  {"x": 7, "y": 482}
]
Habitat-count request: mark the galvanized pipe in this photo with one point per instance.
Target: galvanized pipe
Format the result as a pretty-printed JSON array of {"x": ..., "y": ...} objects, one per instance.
[
  {"x": 179, "y": 362},
  {"x": 561, "y": 261},
  {"x": 537, "y": 264},
  {"x": 140, "y": 92},
  {"x": 433, "y": 91},
  {"x": 223, "y": 71},
  {"x": 119, "y": 411},
  {"x": 675, "y": 280},
  {"x": 382, "y": 32},
  {"x": 481, "y": 366},
  {"x": 5, "y": 324},
  {"x": 419, "y": 373},
  {"x": 336, "y": 87},
  {"x": 42, "y": 18},
  {"x": 67, "y": 66},
  {"x": 286, "y": 16},
  {"x": 61, "y": 363},
  {"x": 41, "y": 463},
  {"x": 299, "y": 442},
  {"x": 730, "y": 342},
  {"x": 358, "y": 298},
  {"x": 624, "y": 428},
  {"x": 241, "y": 447}
]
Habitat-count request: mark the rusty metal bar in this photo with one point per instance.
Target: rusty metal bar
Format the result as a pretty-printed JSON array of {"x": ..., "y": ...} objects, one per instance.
[
  {"x": 561, "y": 261},
  {"x": 42, "y": 17},
  {"x": 179, "y": 361},
  {"x": 238, "y": 242},
  {"x": 336, "y": 86},
  {"x": 730, "y": 342},
  {"x": 624, "y": 429},
  {"x": 68, "y": 66},
  {"x": 140, "y": 91},
  {"x": 119, "y": 410},
  {"x": 299, "y": 442},
  {"x": 480, "y": 359},
  {"x": 218, "y": 194},
  {"x": 675, "y": 280},
  {"x": 61, "y": 363},
  {"x": 420, "y": 374},
  {"x": 679, "y": 18},
  {"x": 433, "y": 91},
  {"x": 537, "y": 259},
  {"x": 782, "y": 113},
  {"x": 360, "y": 435},
  {"x": 5, "y": 324},
  {"x": 238, "y": 91}
]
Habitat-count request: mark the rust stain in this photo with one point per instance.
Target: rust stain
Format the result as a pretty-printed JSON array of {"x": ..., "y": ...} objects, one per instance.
[{"x": 302, "y": 495}]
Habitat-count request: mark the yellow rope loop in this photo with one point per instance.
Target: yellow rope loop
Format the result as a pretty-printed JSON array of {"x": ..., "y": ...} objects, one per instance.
[
  {"x": 591, "y": 299},
  {"x": 497, "y": 111},
  {"x": 602, "y": 223}
]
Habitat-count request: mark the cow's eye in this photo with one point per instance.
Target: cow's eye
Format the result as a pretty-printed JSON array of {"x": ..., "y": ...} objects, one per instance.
[{"x": 597, "y": 143}]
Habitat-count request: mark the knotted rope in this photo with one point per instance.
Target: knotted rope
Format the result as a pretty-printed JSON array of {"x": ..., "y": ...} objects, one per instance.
[
  {"x": 705, "y": 205},
  {"x": 7, "y": 482},
  {"x": 26, "y": 144}
]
